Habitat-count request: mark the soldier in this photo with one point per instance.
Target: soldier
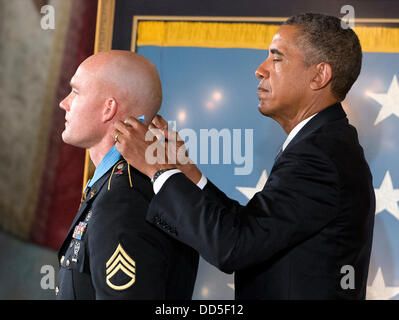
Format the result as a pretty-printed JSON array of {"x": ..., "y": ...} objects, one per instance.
[{"x": 110, "y": 251}]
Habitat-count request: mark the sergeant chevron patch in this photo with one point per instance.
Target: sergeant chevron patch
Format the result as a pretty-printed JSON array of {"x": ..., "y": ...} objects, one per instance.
[{"x": 120, "y": 260}]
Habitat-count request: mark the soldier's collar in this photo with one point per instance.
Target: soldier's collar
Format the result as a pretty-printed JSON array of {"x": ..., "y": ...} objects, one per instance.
[{"x": 109, "y": 160}]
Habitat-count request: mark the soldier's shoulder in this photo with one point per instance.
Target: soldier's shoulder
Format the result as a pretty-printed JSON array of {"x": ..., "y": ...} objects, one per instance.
[
  {"x": 124, "y": 199},
  {"x": 123, "y": 177}
]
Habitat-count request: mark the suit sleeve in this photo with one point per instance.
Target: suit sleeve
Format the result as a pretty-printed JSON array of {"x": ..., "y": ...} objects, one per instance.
[
  {"x": 300, "y": 197},
  {"x": 213, "y": 192},
  {"x": 128, "y": 260}
]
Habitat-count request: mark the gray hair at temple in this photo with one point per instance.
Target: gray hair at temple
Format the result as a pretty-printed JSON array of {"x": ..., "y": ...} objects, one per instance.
[{"x": 323, "y": 39}]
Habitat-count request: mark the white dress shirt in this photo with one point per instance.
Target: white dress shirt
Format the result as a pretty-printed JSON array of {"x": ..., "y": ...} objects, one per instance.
[
  {"x": 294, "y": 131},
  {"x": 166, "y": 175}
]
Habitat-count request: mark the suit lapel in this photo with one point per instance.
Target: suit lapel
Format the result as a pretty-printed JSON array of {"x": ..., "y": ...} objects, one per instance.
[{"x": 331, "y": 113}]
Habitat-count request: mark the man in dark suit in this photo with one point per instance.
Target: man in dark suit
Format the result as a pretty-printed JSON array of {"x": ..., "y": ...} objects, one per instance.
[
  {"x": 110, "y": 251},
  {"x": 308, "y": 233}
]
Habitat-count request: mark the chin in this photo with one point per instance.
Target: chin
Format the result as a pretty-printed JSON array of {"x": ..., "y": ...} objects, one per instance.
[
  {"x": 263, "y": 110},
  {"x": 64, "y": 136},
  {"x": 68, "y": 139}
]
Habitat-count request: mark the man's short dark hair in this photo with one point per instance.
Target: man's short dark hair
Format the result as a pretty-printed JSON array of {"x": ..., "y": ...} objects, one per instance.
[{"x": 324, "y": 40}]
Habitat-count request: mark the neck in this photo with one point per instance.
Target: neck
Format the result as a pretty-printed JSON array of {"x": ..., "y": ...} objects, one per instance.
[
  {"x": 98, "y": 152},
  {"x": 290, "y": 121}
]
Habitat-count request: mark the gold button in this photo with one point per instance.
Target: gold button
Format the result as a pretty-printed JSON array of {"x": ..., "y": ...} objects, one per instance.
[
  {"x": 68, "y": 263},
  {"x": 62, "y": 259},
  {"x": 56, "y": 290}
]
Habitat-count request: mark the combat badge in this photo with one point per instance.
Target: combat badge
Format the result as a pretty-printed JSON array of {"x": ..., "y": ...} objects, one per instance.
[
  {"x": 76, "y": 249},
  {"x": 120, "y": 261}
]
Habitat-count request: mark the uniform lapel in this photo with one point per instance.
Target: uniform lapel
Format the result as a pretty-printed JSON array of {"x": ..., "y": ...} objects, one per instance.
[
  {"x": 81, "y": 210},
  {"x": 92, "y": 194}
]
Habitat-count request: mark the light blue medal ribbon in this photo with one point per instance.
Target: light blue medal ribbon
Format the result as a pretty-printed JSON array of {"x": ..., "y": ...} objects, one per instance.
[{"x": 110, "y": 159}]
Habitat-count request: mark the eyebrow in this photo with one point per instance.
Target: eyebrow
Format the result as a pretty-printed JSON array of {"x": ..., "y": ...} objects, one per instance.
[{"x": 275, "y": 51}]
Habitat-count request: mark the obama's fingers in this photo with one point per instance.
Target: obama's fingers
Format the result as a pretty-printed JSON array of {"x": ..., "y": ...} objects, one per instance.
[
  {"x": 116, "y": 134},
  {"x": 156, "y": 132},
  {"x": 122, "y": 127},
  {"x": 159, "y": 122}
]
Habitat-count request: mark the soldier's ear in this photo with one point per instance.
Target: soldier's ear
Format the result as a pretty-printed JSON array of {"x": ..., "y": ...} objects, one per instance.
[{"x": 110, "y": 109}]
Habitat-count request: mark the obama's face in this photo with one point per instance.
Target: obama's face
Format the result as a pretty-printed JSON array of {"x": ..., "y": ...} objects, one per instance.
[{"x": 284, "y": 77}]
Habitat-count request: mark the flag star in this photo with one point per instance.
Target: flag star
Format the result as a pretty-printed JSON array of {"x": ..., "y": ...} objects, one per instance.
[
  {"x": 250, "y": 192},
  {"x": 389, "y": 101},
  {"x": 387, "y": 197},
  {"x": 378, "y": 290}
]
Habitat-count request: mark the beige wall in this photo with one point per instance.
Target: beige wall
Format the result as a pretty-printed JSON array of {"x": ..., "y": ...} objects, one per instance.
[{"x": 29, "y": 59}]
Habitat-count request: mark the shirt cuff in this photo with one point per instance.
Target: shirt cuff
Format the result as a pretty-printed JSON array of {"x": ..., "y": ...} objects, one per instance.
[
  {"x": 202, "y": 183},
  {"x": 162, "y": 178},
  {"x": 167, "y": 174}
]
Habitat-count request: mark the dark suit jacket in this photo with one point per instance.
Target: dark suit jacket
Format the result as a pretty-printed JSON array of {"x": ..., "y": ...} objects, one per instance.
[
  {"x": 314, "y": 216},
  {"x": 151, "y": 264}
]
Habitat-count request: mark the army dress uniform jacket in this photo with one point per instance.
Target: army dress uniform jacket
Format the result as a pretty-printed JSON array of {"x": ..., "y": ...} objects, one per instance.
[
  {"x": 111, "y": 252},
  {"x": 297, "y": 237}
]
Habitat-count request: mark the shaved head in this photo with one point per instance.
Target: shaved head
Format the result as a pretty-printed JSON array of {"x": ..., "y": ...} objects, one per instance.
[
  {"x": 108, "y": 87},
  {"x": 130, "y": 78}
]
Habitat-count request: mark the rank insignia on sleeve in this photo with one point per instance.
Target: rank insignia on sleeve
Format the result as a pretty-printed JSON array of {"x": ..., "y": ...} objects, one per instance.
[{"x": 120, "y": 261}]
